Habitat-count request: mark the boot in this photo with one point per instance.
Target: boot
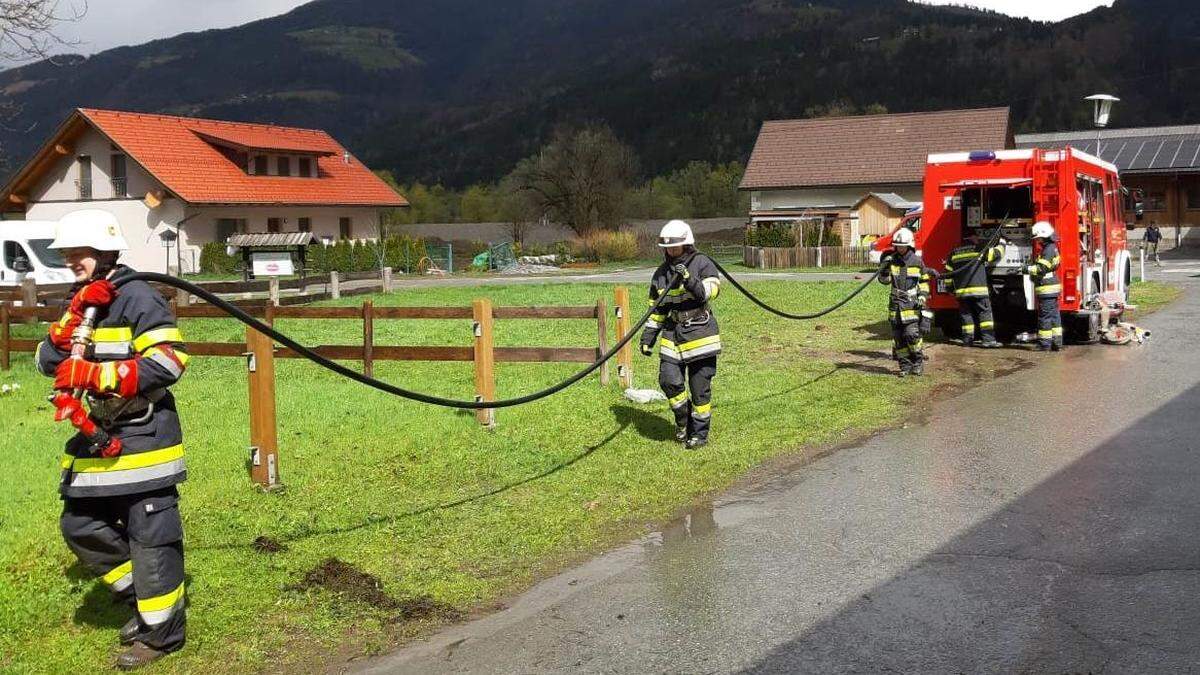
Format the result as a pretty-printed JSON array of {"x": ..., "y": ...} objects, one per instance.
[
  {"x": 1042, "y": 347},
  {"x": 129, "y": 631},
  {"x": 968, "y": 342},
  {"x": 918, "y": 369},
  {"x": 681, "y": 433},
  {"x": 138, "y": 655},
  {"x": 695, "y": 442},
  {"x": 1056, "y": 347},
  {"x": 990, "y": 343}
]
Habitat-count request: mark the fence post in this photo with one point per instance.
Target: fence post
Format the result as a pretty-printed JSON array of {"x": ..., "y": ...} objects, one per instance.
[
  {"x": 368, "y": 312},
  {"x": 29, "y": 297},
  {"x": 5, "y": 344},
  {"x": 602, "y": 338},
  {"x": 625, "y": 356},
  {"x": 264, "y": 440},
  {"x": 335, "y": 288},
  {"x": 485, "y": 373},
  {"x": 182, "y": 298},
  {"x": 273, "y": 290},
  {"x": 387, "y": 280}
]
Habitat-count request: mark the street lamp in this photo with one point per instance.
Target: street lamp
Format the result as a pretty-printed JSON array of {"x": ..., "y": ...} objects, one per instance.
[{"x": 1103, "y": 109}]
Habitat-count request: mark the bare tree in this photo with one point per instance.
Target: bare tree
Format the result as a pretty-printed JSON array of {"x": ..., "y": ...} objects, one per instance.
[
  {"x": 580, "y": 178},
  {"x": 27, "y": 27}
]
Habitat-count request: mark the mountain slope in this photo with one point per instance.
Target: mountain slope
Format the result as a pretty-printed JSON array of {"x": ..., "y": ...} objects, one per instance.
[{"x": 458, "y": 90}]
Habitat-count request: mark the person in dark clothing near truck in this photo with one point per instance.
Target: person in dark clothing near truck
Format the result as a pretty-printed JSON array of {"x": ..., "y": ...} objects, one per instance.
[
  {"x": 908, "y": 278},
  {"x": 1152, "y": 238},
  {"x": 120, "y": 503}
]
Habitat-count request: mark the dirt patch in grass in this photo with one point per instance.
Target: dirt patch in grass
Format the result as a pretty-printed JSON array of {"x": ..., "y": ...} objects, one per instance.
[
  {"x": 265, "y": 544},
  {"x": 349, "y": 582}
]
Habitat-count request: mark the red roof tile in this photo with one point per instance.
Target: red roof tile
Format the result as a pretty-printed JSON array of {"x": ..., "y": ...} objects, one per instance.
[
  {"x": 867, "y": 150},
  {"x": 173, "y": 151}
]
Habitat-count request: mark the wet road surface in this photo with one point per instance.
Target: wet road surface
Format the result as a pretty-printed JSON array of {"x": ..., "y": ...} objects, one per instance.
[{"x": 1048, "y": 521}]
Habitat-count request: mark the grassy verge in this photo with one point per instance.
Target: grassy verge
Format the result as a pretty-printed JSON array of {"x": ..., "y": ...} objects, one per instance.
[
  {"x": 428, "y": 516},
  {"x": 1150, "y": 296}
]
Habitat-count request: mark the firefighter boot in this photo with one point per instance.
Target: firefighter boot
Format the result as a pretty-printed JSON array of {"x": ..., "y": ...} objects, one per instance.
[
  {"x": 129, "y": 631},
  {"x": 918, "y": 368},
  {"x": 681, "y": 433},
  {"x": 695, "y": 442},
  {"x": 1042, "y": 346},
  {"x": 138, "y": 655}
]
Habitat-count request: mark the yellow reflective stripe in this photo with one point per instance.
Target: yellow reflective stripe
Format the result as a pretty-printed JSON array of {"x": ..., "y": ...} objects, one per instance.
[
  {"x": 702, "y": 409},
  {"x": 117, "y": 572},
  {"x": 964, "y": 256},
  {"x": 108, "y": 376},
  {"x": 1057, "y": 330},
  {"x": 658, "y": 317},
  {"x": 712, "y": 286},
  {"x": 156, "y": 336},
  {"x": 159, "y": 603},
  {"x": 908, "y": 314},
  {"x": 674, "y": 401},
  {"x": 987, "y": 324},
  {"x": 125, "y": 462},
  {"x": 924, "y": 287},
  {"x": 688, "y": 346},
  {"x": 1049, "y": 288},
  {"x": 677, "y": 291},
  {"x": 1046, "y": 333},
  {"x": 120, "y": 334},
  {"x": 972, "y": 289},
  {"x": 914, "y": 271}
]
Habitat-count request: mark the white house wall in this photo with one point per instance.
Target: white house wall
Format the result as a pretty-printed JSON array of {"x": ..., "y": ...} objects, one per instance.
[
  {"x": 60, "y": 182},
  {"x": 826, "y": 197},
  {"x": 140, "y": 225}
]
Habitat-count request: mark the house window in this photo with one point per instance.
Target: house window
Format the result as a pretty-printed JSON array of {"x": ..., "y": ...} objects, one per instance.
[
  {"x": 260, "y": 165},
  {"x": 1156, "y": 201},
  {"x": 227, "y": 227},
  {"x": 283, "y": 166},
  {"x": 305, "y": 165},
  {"x": 305, "y": 224},
  {"x": 1193, "y": 197},
  {"x": 274, "y": 224},
  {"x": 345, "y": 227},
  {"x": 84, "y": 182},
  {"x": 120, "y": 181}
]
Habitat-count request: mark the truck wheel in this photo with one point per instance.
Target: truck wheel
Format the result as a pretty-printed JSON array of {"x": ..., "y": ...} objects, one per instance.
[
  {"x": 1128, "y": 276},
  {"x": 1086, "y": 328}
]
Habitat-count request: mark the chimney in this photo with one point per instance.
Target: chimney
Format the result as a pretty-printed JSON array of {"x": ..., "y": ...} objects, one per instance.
[{"x": 346, "y": 156}]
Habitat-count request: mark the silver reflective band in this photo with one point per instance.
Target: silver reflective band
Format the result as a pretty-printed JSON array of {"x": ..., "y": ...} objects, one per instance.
[
  {"x": 113, "y": 349},
  {"x": 702, "y": 350},
  {"x": 168, "y": 363},
  {"x": 702, "y": 416},
  {"x": 671, "y": 240},
  {"x": 122, "y": 583},
  {"x": 106, "y": 478}
]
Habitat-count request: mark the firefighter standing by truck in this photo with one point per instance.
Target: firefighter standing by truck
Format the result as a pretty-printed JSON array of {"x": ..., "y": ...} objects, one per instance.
[
  {"x": 967, "y": 276},
  {"x": 908, "y": 277},
  {"x": 685, "y": 331},
  {"x": 1047, "y": 287},
  {"x": 120, "y": 504}
]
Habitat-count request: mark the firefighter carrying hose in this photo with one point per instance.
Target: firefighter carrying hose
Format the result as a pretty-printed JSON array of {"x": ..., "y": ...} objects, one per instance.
[
  {"x": 908, "y": 277},
  {"x": 685, "y": 331},
  {"x": 121, "y": 507},
  {"x": 967, "y": 275},
  {"x": 1046, "y": 287}
]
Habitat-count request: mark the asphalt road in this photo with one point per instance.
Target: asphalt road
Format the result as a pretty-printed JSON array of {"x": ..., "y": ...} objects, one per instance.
[{"x": 1048, "y": 521}]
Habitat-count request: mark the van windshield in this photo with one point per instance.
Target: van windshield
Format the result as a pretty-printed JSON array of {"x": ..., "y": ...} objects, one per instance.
[{"x": 49, "y": 257}]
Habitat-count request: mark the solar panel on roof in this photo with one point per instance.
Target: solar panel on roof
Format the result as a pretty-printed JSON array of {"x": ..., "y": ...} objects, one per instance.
[
  {"x": 1124, "y": 153},
  {"x": 1145, "y": 153}
]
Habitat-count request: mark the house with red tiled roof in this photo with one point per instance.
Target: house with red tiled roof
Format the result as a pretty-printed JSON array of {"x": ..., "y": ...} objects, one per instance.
[
  {"x": 187, "y": 182},
  {"x": 821, "y": 169}
]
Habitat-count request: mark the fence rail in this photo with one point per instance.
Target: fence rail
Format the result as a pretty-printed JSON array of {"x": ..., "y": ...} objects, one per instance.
[
  {"x": 805, "y": 256},
  {"x": 482, "y": 352}
]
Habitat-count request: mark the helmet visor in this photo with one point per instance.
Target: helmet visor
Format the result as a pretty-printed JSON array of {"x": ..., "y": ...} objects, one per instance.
[{"x": 667, "y": 242}]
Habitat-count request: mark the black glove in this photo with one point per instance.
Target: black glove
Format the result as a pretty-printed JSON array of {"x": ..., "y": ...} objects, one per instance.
[
  {"x": 682, "y": 270},
  {"x": 649, "y": 337}
]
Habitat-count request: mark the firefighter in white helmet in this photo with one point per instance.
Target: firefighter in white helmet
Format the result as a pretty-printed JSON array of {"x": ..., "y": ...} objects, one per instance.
[
  {"x": 1046, "y": 286},
  {"x": 685, "y": 331},
  {"x": 908, "y": 277},
  {"x": 120, "y": 503}
]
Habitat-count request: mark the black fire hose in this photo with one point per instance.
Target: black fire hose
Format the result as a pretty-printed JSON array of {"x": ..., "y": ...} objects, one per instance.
[
  {"x": 338, "y": 368},
  {"x": 797, "y": 317}
]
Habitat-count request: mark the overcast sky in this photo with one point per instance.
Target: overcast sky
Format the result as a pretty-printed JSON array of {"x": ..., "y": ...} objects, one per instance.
[{"x": 113, "y": 23}]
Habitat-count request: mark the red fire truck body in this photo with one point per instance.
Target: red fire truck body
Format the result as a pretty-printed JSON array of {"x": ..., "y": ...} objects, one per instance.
[{"x": 977, "y": 193}]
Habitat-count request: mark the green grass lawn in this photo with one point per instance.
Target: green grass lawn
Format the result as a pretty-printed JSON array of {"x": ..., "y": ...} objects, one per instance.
[{"x": 448, "y": 518}]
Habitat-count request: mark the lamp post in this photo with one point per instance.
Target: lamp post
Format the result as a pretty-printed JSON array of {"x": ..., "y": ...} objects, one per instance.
[{"x": 1103, "y": 109}]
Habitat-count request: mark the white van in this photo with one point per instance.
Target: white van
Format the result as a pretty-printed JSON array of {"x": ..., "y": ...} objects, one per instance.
[{"x": 25, "y": 252}]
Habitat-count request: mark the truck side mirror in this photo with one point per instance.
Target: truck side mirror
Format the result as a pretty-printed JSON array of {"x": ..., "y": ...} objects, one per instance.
[
  {"x": 21, "y": 265},
  {"x": 1129, "y": 226}
]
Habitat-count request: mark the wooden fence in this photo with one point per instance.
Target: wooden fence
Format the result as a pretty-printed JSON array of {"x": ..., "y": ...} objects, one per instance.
[
  {"x": 260, "y": 351},
  {"x": 805, "y": 256}
]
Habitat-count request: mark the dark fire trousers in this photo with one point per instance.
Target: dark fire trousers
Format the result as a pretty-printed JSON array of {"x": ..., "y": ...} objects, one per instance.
[
  {"x": 676, "y": 380},
  {"x": 135, "y": 544},
  {"x": 1050, "y": 327},
  {"x": 977, "y": 311}
]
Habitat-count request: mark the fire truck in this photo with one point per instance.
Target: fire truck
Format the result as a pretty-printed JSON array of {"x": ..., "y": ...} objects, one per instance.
[{"x": 1003, "y": 193}]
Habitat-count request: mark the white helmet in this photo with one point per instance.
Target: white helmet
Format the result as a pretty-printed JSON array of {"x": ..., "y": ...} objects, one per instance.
[
  {"x": 1043, "y": 230},
  {"x": 89, "y": 228},
  {"x": 676, "y": 233},
  {"x": 903, "y": 237}
]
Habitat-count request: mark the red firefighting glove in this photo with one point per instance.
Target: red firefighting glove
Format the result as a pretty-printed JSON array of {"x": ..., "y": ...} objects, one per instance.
[
  {"x": 110, "y": 377},
  {"x": 96, "y": 294}
]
